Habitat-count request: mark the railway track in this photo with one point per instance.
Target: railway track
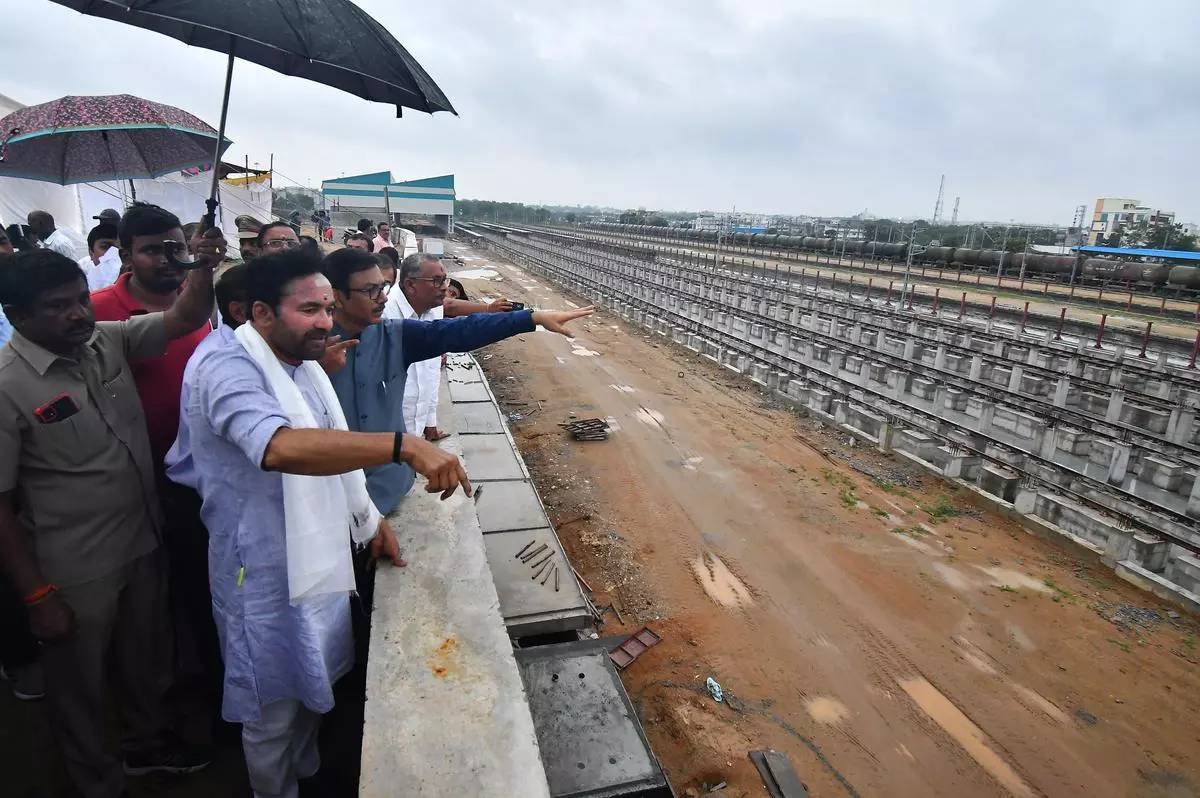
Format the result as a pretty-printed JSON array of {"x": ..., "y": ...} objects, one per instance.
[
  {"x": 635, "y": 284},
  {"x": 1110, "y": 296}
]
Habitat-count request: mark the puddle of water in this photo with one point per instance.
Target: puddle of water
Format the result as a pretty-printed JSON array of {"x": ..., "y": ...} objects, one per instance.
[
  {"x": 861, "y": 505},
  {"x": 1014, "y": 579},
  {"x": 826, "y": 710},
  {"x": 1035, "y": 700},
  {"x": 952, "y": 576},
  {"x": 622, "y": 388},
  {"x": 613, "y": 426},
  {"x": 974, "y": 656},
  {"x": 561, "y": 360},
  {"x": 691, "y": 463},
  {"x": 916, "y": 544},
  {"x": 651, "y": 418},
  {"x": 719, "y": 582},
  {"x": 1020, "y": 638},
  {"x": 583, "y": 351},
  {"x": 895, "y": 520},
  {"x": 475, "y": 274},
  {"x": 943, "y": 712}
]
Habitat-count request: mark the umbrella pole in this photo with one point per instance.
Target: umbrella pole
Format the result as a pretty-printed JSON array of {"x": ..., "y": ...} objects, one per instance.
[
  {"x": 210, "y": 218},
  {"x": 132, "y": 190}
]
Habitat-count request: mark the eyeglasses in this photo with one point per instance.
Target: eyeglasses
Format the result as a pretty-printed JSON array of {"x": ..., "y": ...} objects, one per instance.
[
  {"x": 281, "y": 243},
  {"x": 442, "y": 281},
  {"x": 373, "y": 291}
]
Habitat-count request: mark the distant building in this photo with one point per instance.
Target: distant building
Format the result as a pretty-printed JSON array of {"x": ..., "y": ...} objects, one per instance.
[
  {"x": 1113, "y": 212},
  {"x": 430, "y": 198}
]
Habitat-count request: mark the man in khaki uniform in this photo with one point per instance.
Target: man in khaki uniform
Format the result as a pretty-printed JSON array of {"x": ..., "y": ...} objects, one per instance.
[{"x": 79, "y": 515}]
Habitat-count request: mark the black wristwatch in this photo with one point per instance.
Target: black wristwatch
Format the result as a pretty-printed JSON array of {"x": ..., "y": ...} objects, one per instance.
[{"x": 397, "y": 442}]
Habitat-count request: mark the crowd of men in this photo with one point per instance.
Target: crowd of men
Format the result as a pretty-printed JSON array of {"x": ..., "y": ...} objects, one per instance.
[{"x": 192, "y": 496}]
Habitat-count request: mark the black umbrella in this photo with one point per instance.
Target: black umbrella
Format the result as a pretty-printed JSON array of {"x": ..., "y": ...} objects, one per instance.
[{"x": 329, "y": 41}]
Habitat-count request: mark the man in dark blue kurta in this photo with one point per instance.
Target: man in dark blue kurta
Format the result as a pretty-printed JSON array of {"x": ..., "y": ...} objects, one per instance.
[{"x": 371, "y": 384}]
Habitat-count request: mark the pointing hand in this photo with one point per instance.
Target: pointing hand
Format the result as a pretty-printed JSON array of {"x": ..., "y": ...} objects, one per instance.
[{"x": 556, "y": 320}]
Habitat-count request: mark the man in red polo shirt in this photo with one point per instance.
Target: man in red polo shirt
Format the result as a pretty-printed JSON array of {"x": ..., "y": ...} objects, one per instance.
[{"x": 152, "y": 284}]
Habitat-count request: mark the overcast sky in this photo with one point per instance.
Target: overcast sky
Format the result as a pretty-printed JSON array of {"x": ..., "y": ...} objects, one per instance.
[{"x": 1029, "y": 107}]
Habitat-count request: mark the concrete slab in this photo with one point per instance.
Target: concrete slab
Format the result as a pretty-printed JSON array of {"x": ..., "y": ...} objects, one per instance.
[
  {"x": 528, "y": 606},
  {"x": 491, "y": 457},
  {"x": 592, "y": 743},
  {"x": 508, "y": 506},
  {"x": 446, "y": 713},
  {"x": 477, "y": 418},
  {"x": 468, "y": 392}
]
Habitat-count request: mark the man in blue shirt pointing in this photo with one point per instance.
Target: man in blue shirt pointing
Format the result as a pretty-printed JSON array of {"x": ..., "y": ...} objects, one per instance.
[{"x": 370, "y": 386}]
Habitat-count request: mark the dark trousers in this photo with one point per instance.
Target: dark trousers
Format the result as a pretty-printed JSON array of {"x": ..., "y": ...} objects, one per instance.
[
  {"x": 198, "y": 651},
  {"x": 17, "y": 646},
  {"x": 122, "y": 636}
]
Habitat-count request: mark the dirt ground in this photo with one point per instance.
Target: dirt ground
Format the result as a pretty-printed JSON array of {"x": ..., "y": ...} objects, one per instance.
[{"x": 890, "y": 634}]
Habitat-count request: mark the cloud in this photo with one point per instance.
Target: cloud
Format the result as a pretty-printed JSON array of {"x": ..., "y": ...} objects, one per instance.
[{"x": 790, "y": 106}]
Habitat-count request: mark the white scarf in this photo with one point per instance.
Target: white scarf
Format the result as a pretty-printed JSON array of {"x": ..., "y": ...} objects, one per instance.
[{"x": 316, "y": 510}]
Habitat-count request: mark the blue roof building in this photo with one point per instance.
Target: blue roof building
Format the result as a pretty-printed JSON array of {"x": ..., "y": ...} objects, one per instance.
[{"x": 378, "y": 192}]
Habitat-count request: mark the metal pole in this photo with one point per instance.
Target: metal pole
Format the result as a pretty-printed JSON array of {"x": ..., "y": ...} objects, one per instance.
[
  {"x": 1100, "y": 332},
  {"x": 1003, "y": 250},
  {"x": 1145, "y": 340},
  {"x": 1062, "y": 317},
  {"x": 908, "y": 262},
  {"x": 210, "y": 218}
]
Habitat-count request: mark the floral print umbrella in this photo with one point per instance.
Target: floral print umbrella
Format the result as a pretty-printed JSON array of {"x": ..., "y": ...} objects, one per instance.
[{"x": 110, "y": 137}]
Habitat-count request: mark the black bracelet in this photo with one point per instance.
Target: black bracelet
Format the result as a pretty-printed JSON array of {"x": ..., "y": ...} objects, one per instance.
[{"x": 396, "y": 443}]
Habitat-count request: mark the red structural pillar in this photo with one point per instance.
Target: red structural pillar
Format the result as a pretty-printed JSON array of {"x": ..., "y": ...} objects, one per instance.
[
  {"x": 1162, "y": 308},
  {"x": 1046, "y": 288},
  {"x": 1129, "y": 304},
  {"x": 992, "y": 309},
  {"x": 1145, "y": 340},
  {"x": 1195, "y": 351},
  {"x": 937, "y": 295},
  {"x": 1100, "y": 332},
  {"x": 1024, "y": 316},
  {"x": 1062, "y": 317},
  {"x": 962, "y": 305}
]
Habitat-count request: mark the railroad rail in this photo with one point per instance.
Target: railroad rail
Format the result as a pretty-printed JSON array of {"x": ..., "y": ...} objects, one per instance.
[{"x": 1130, "y": 509}]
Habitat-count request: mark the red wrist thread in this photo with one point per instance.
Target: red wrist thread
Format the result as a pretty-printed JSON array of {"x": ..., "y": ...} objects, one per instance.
[{"x": 40, "y": 594}]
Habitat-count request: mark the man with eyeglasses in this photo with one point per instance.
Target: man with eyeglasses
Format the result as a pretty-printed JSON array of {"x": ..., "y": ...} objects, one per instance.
[
  {"x": 276, "y": 237},
  {"x": 371, "y": 384}
]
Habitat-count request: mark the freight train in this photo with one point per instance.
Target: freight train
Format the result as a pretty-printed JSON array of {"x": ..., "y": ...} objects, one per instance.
[{"x": 1059, "y": 267}]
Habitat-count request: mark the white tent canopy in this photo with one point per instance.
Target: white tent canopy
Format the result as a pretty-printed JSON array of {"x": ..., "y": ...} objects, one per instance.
[{"x": 74, "y": 206}]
